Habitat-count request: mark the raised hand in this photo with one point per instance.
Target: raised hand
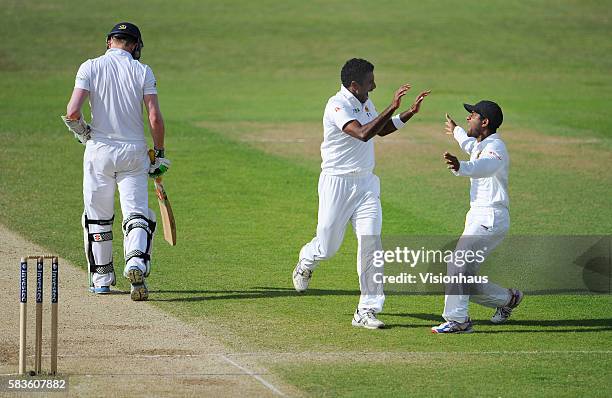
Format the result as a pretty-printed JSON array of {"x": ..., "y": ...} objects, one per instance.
[
  {"x": 397, "y": 97},
  {"x": 450, "y": 125},
  {"x": 451, "y": 161},
  {"x": 416, "y": 106}
]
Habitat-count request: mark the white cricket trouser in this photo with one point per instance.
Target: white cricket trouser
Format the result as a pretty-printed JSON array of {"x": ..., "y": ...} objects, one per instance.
[
  {"x": 355, "y": 198},
  {"x": 106, "y": 165},
  {"x": 485, "y": 228}
]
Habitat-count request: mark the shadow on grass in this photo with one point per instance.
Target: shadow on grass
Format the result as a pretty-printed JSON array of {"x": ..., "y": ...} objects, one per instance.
[
  {"x": 253, "y": 293},
  {"x": 264, "y": 292},
  {"x": 549, "y": 325},
  {"x": 589, "y": 330}
]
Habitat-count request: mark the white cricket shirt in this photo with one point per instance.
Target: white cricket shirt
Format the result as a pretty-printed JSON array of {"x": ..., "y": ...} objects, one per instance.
[
  {"x": 116, "y": 83},
  {"x": 488, "y": 168},
  {"x": 341, "y": 153}
]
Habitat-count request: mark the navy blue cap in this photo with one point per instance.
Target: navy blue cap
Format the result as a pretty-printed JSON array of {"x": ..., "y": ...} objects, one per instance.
[
  {"x": 128, "y": 29},
  {"x": 489, "y": 110}
]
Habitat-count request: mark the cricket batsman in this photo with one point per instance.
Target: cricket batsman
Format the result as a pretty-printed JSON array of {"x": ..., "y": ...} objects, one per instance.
[
  {"x": 117, "y": 85},
  {"x": 488, "y": 219},
  {"x": 348, "y": 189}
]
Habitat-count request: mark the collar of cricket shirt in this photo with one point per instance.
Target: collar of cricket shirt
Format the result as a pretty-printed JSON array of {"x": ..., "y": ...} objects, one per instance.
[
  {"x": 490, "y": 138},
  {"x": 118, "y": 51},
  {"x": 349, "y": 96}
]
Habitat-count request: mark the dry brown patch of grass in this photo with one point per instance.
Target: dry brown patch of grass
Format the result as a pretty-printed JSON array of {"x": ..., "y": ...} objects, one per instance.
[
  {"x": 418, "y": 148},
  {"x": 283, "y": 139}
]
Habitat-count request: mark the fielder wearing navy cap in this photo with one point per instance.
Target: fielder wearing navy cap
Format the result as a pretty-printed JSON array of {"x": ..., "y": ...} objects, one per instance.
[
  {"x": 489, "y": 110},
  {"x": 488, "y": 220}
]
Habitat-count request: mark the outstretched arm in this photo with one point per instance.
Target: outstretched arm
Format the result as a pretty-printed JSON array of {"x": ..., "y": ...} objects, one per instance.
[
  {"x": 485, "y": 166},
  {"x": 366, "y": 131},
  {"x": 391, "y": 127}
]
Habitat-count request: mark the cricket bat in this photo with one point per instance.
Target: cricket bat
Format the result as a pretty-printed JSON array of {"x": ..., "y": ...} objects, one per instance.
[{"x": 165, "y": 209}]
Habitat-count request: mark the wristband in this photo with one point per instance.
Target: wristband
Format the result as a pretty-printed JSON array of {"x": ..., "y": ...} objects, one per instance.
[
  {"x": 397, "y": 122},
  {"x": 159, "y": 153}
]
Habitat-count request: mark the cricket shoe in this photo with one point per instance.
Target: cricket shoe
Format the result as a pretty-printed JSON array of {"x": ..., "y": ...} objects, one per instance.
[
  {"x": 367, "y": 319},
  {"x": 453, "y": 327},
  {"x": 100, "y": 289},
  {"x": 138, "y": 291},
  {"x": 301, "y": 277},
  {"x": 503, "y": 313}
]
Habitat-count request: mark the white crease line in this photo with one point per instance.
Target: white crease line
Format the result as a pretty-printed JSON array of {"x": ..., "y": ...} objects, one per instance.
[{"x": 257, "y": 377}]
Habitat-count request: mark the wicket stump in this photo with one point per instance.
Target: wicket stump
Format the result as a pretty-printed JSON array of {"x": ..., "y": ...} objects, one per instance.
[{"x": 23, "y": 299}]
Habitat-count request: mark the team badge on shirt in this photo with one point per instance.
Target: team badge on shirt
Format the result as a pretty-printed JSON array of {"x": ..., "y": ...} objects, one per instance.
[{"x": 490, "y": 153}]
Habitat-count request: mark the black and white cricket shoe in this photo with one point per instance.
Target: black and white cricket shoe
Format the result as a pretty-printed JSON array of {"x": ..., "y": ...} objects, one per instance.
[
  {"x": 503, "y": 313},
  {"x": 366, "y": 319},
  {"x": 301, "y": 278}
]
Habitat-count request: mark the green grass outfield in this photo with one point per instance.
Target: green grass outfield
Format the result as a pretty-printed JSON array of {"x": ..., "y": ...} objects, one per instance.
[{"x": 227, "y": 71}]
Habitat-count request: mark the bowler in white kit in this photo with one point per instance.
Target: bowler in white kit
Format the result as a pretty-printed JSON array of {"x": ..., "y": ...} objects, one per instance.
[
  {"x": 488, "y": 219},
  {"x": 348, "y": 189},
  {"x": 117, "y": 85}
]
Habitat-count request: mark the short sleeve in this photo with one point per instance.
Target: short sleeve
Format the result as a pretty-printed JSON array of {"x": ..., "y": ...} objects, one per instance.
[
  {"x": 150, "y": 84},
  {"x": 341, "y": 114},
  {"x": 83, "y": 76}
]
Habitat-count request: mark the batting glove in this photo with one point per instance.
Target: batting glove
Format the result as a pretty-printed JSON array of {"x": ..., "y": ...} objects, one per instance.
[
  {"x": 80, "y": 129},
  {"x": 160, "y": 165}
]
